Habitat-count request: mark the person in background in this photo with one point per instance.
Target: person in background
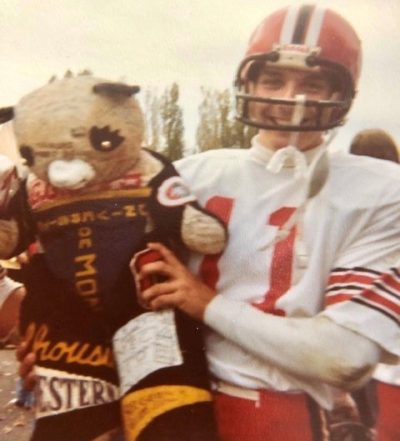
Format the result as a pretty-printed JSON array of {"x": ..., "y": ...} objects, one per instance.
[
  {"x": 12, "y": 292},
  {"x": 11, "y": 296},
  {"x": 384, "y": 392},
  {"x": 375, "y": 143},
  {"x": 294, "y": 308}
]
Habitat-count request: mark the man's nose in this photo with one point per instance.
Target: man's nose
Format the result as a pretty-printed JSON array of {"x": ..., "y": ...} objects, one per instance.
[{"x": 290, "y": 89}]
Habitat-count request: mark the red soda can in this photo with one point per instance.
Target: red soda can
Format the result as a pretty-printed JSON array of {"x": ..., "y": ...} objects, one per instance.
[{"x": 142, "y": 258}]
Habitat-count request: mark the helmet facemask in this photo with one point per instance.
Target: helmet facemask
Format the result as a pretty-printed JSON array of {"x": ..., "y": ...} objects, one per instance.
[{"x": 320, "y": 114}]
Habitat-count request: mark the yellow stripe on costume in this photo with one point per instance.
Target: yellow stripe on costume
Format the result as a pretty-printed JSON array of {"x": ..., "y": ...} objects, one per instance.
[
  {"x": 141, "y": 407},
  {"x": 100, "y": 195}
]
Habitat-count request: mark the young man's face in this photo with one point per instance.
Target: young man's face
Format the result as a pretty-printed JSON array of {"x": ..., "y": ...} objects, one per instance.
[{"x": 284, "y": 83}]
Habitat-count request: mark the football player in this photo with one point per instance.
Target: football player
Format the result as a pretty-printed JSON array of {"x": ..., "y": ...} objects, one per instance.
[{"x": 305, "y": 299}]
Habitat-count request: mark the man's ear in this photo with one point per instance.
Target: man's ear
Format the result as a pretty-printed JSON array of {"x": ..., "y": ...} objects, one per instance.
[{"x": 6, "y": 114}]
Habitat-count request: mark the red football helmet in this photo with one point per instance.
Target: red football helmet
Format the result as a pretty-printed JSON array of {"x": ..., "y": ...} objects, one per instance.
[{"x": 310, "y": 38}]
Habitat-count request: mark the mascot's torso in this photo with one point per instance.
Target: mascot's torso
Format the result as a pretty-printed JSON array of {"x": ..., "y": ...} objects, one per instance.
[{"x": 89, "y": 239}]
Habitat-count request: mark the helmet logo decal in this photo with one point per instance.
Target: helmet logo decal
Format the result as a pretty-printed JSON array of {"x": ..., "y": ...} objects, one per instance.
[{"x": 293, "y": 47}]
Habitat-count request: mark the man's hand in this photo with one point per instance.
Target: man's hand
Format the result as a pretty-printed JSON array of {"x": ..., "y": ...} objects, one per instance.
[
  {"x": 181, "y": 289},
  {"x": 26, "y": 367}
]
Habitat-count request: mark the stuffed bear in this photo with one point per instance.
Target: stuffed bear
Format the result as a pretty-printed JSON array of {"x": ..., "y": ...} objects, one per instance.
[{"x": 92, "y": 199}]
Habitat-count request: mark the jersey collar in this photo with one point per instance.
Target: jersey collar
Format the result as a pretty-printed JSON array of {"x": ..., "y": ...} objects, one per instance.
[{"x": 285, "y": 158}]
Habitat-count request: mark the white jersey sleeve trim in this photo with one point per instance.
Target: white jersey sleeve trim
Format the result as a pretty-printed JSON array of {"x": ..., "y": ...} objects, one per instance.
[{"x": 368, "y": 303}]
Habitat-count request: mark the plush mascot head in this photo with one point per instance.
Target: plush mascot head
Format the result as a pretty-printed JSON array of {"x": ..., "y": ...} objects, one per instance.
[
  {"x": 78, "y": 132},
  {"x": 83, "y": 135}
]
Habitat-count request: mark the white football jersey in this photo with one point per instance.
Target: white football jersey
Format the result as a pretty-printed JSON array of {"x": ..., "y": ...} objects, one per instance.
[{"x": 345, "y": 239}]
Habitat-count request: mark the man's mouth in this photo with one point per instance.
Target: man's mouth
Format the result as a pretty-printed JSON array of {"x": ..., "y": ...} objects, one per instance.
[{"x": 283, "y": 121}]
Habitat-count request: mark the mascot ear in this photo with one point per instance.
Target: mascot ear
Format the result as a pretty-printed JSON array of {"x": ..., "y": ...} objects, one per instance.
[
  {"x": 6, "y": 114},
  {"x": 116, "y": 89}
]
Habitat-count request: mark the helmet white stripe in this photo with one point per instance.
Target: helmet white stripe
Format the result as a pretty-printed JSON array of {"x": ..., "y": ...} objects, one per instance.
[
  {"x": 314, "y": 27},
  {"x": 289, "y": 25}
]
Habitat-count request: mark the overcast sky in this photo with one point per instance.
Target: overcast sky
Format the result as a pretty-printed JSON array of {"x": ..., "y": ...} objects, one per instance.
[{"x": 193, "y": 42}]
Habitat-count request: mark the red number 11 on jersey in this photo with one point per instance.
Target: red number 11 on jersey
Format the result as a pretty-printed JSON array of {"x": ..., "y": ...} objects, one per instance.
[{"x": 280, "y": 273}]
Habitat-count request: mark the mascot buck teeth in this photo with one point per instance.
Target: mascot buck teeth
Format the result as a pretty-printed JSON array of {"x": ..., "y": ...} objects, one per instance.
[{"x": 92, "y": 199}]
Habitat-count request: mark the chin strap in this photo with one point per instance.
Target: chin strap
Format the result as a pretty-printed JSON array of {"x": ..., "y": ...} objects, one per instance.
[
  {"x": 316, "y": 175},
  {"x": 319, "y": 168},
  {"x": 288, "y": 156}
]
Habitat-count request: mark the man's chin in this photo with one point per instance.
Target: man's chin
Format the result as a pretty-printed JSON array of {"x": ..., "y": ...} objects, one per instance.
[{"x": 277, "y": 139}]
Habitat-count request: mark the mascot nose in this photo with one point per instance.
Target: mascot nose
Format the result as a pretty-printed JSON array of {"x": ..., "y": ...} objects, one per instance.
[{"x": 70, "y": 175}]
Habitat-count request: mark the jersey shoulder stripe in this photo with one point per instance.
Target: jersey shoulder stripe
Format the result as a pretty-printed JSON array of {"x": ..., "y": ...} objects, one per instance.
[
  {"x": 378, "y": 291},
  {"x": 344, "y": 283}
]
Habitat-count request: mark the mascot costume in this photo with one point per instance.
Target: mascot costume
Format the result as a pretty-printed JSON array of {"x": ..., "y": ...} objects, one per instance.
[{"x": 91, "y": 199}]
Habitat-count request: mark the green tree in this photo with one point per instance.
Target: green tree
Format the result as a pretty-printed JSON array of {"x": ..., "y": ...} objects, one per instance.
[
  {"x": 207, "y": 130},
  {"x": 151, "y": 110},
  {"x": 172, "y": 123},
  {"x": 218, "y": 127},
  {"x": 225, "y": 122}
]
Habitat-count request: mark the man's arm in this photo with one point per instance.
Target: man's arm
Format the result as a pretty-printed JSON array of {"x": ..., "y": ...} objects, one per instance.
[
  {"x": 314, "y": 348},
  {"x": 310, "y": 348}
]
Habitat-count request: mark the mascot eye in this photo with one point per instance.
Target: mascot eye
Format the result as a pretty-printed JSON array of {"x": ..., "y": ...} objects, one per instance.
[
  {"x": 104, "y": 139},
  {"x": 27, "y": 153}
]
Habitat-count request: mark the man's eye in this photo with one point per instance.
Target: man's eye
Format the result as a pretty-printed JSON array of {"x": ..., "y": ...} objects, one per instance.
[
  {"x": 272, "y": 83},
  {"x": 314, "y": 87}
]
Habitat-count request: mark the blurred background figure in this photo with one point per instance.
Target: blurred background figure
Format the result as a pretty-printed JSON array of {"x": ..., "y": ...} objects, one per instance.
[
  {"x": 12, "y": 292},
  {"x": 14, "y": 267},
  {"x": 8, "y": 143},
  {"x": 375, "y": 143},
  {"x": 11, "y": 295},
  {"x": 382, "y": 398}
]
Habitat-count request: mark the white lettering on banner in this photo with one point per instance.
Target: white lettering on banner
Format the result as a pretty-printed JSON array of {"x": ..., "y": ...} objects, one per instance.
[
  {"x": 146, "y": 344},
  {"x": 59, "y": 392}
]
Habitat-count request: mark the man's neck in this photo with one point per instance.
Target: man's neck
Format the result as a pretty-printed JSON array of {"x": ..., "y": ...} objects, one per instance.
[
  {"x": 301, "y": 141},
  {"x": 264, "y": 153},
  {"x": 274, "y": 148}
]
